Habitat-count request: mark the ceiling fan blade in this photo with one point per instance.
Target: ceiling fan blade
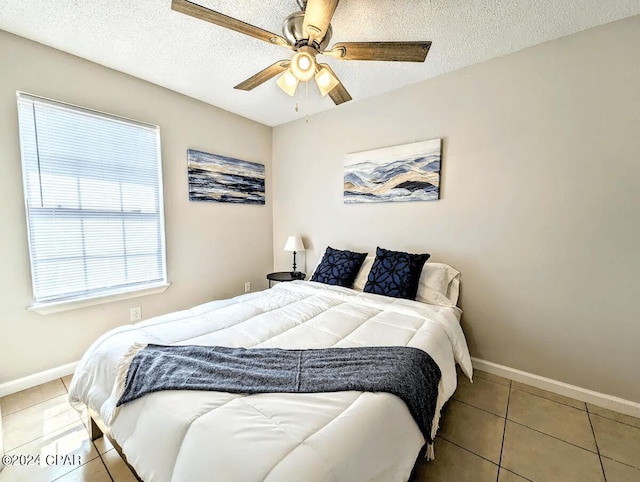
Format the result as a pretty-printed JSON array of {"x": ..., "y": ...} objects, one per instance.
[
  {"x": 317, "y": 17},
  {"x": 264, "y": 75},
  {"x": 384, "y": 51},
  {"x": 338, "y": 94},
  {"x": 203, "y": 13}
]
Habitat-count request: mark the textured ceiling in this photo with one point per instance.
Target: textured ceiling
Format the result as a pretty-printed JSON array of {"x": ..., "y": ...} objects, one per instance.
[{"x": 146, "y": 39}]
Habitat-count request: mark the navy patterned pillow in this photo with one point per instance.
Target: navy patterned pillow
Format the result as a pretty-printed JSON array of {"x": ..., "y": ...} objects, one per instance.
[
  {"x": 395, "y": 274},
  {"x": 338, "y": 267}
]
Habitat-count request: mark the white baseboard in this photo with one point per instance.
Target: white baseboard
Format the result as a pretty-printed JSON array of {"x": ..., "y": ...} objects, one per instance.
[
  {"x": 596, "y": 398},
  {"x": 36, "y": 379}
]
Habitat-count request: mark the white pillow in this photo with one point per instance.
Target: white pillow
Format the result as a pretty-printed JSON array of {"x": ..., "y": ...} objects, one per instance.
[
  {"x": 454, "y": 290},
  {"x": 439, "y": 284},
  {"x": 363, "y": 274}
]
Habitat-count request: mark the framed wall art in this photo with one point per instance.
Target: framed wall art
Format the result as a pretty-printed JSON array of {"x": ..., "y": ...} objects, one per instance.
[
  {"x": 409, "y": 172},
  {"x": 217, "y": 178}
]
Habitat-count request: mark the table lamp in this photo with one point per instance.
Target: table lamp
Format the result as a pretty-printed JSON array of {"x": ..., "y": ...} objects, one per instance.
[{"x": 295, "y": 244}]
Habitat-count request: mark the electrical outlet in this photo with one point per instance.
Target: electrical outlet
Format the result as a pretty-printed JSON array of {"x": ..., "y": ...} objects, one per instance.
[
  {"x": 136, "y": 313},
  {"x": 247, "y": 286}
]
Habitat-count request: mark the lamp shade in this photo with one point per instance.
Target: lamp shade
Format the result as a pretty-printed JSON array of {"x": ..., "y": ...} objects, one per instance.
[
  {"x": 288, "y": 82},
  {"x": 294, "y": 243},
  {"x": 303, "y": 66},
  {"x": 326, "y": 80}
]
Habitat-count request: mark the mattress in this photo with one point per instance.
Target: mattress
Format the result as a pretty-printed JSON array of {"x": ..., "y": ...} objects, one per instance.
[{"x": 343, "y": 436}]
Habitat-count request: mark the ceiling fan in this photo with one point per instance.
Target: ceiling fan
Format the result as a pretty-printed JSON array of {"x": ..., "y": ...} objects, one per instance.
[{"x": 308, "y": 33}]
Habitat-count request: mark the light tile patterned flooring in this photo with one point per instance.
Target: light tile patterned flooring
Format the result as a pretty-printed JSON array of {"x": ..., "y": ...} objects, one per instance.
[
  {"x": 493, "y": 430},
  {"x": 41, "y": 421},
  {"x": 504, "y": 431}
]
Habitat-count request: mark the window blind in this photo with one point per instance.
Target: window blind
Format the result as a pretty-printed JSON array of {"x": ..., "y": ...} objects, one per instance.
[{"x": 93, "y": 190}]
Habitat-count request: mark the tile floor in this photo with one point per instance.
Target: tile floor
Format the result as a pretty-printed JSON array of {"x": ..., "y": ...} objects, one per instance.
[
  {"x": 492, "y": 430},
  {"x": 504, "y": 431},
  {"x": 41, "y": 421}
]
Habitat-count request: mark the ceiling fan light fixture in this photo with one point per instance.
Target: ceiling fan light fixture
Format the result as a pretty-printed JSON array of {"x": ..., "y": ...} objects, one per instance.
[
  {"x": 308, "y": 33},
  {"x": 288, "y": 82},
  {"x": 303, "y": 66},
  {"x": 326, "y": 80}
]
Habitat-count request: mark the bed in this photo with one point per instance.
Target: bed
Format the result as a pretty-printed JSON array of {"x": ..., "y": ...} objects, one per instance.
[{"x": 340, "y": 436}]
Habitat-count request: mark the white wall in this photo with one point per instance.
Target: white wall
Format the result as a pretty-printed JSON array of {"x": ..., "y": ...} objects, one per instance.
[
  {"x": 539, "y": 208},
  {"x": 212, "y": 249}
]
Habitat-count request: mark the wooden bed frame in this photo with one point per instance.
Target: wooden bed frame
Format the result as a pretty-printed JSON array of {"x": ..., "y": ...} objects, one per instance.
[{"x": 97, "y": 429}]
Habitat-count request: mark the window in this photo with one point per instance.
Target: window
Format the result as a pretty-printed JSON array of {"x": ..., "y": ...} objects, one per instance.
[{"x": 93, "y": 190}]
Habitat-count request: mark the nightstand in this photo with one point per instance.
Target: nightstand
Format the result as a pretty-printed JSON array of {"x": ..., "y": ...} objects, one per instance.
[{"x": 285, "y": 276}]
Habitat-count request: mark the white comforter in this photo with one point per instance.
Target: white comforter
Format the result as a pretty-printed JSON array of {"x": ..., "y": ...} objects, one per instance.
[{"x": 199, "y": 436}]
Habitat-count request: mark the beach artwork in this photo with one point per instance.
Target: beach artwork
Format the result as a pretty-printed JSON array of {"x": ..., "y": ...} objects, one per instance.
[
  {"x": 224, "y": 179},
  {"x": 410, "y": 172}
]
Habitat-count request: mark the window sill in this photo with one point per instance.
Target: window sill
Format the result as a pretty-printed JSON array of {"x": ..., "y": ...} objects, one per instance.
[{"x": 59, "y": 306}]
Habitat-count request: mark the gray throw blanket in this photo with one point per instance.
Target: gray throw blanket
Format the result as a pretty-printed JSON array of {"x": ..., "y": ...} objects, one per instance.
[{"x": 407, "y": 372}]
